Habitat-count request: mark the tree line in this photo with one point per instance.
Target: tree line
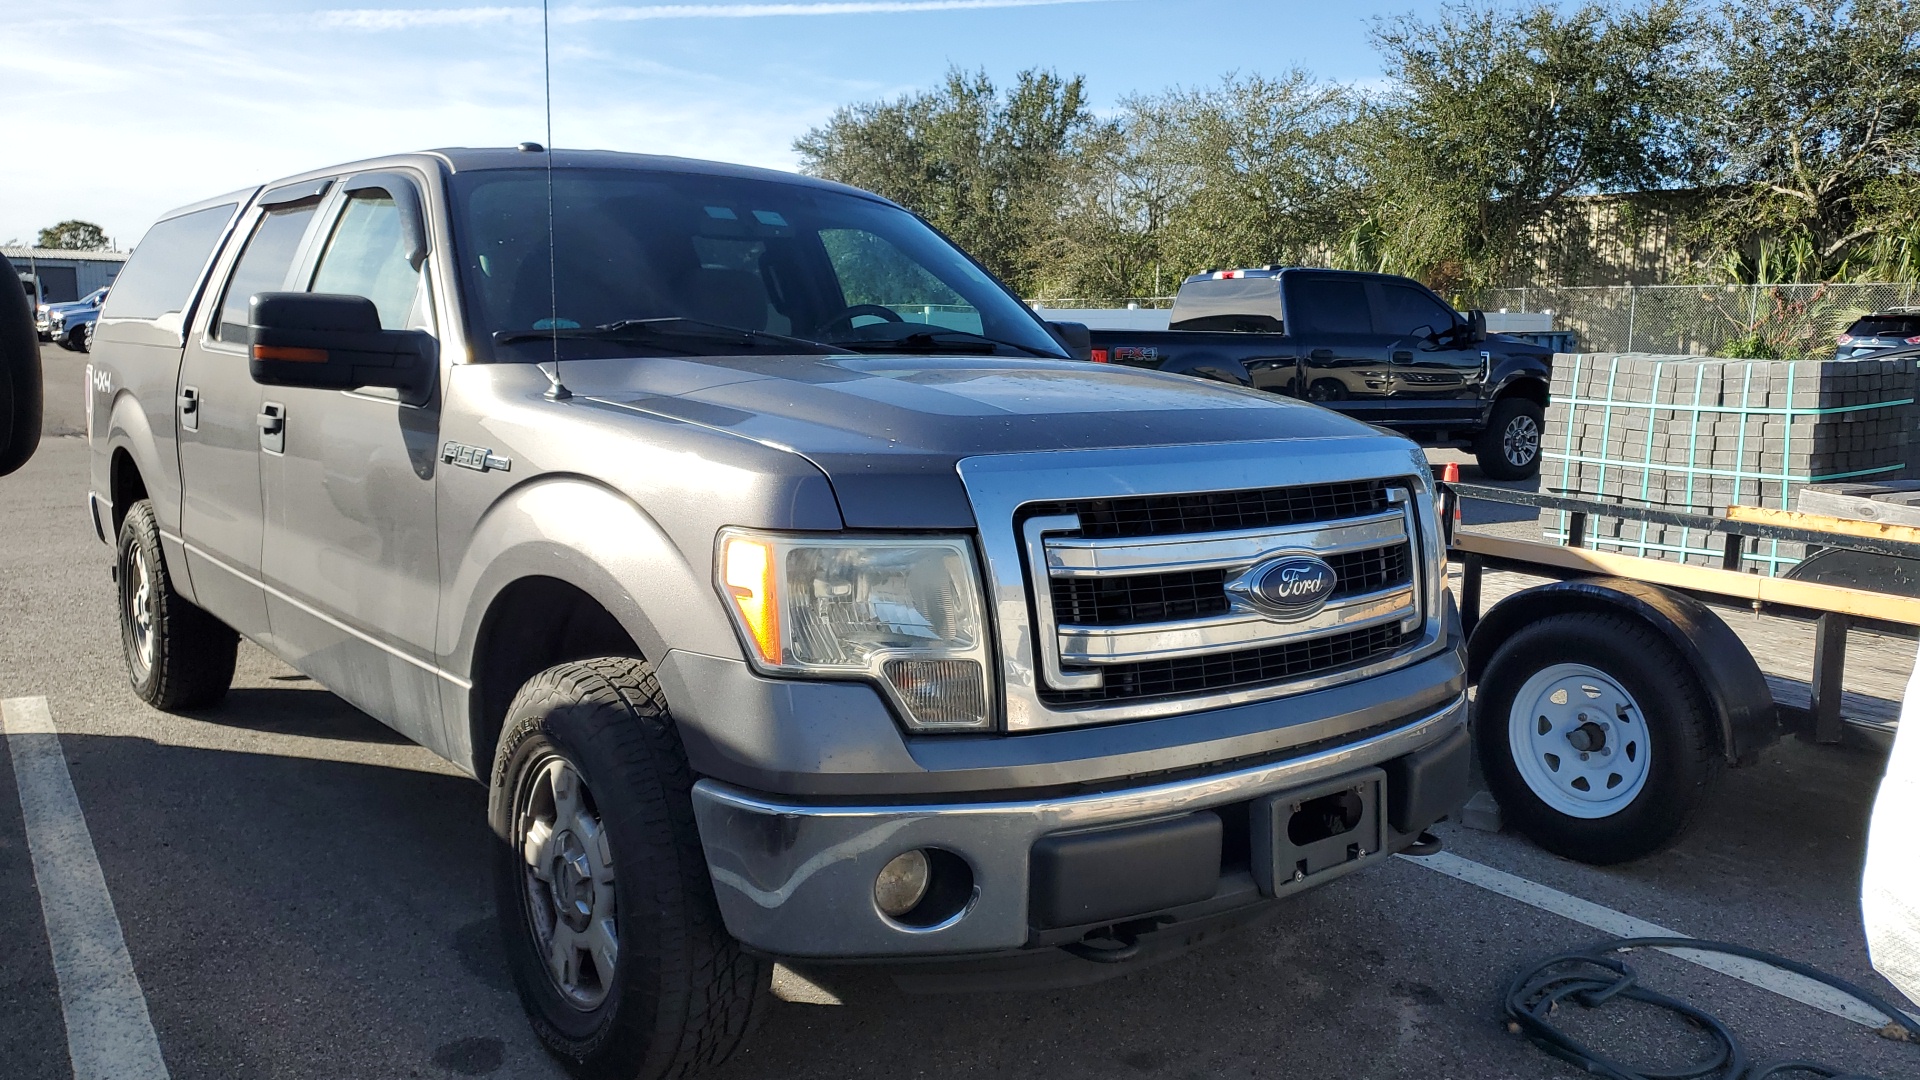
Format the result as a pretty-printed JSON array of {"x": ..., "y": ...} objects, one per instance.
[{"x": 1781, "y": 136}]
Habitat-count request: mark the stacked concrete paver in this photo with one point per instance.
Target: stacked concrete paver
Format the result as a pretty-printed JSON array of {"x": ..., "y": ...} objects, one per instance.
[{"x": 1700, "y": 434}]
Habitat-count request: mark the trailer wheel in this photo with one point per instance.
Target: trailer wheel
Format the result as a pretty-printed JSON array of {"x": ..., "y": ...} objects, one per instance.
[{"x": 1595, "y": 737}]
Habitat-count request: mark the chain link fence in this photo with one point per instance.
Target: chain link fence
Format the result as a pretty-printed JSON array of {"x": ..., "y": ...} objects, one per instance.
[{"x": 1786, "y": 322}]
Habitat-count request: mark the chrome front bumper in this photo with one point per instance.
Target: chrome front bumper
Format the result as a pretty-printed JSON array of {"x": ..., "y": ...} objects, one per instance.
[{"x": 796, "y": 879}]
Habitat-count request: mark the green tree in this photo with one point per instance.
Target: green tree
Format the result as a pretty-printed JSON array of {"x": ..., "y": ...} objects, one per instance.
[
  {"x": 988, "y": 168},
  {"x": 74, "y": 236},
  {"x": 1496, "y": 115},
  {"x": 1814, "y": 129}
]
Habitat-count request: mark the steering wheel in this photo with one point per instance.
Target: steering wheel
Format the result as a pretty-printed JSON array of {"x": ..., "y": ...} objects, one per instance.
[{"x": 884, "y": 314}]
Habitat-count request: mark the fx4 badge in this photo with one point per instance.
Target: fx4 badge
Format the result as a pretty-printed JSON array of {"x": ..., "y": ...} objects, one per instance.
[{"x": 478, "y": 458}]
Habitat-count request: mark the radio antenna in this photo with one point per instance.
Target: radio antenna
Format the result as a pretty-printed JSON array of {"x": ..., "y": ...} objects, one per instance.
[{"x": 556, "y": 390}]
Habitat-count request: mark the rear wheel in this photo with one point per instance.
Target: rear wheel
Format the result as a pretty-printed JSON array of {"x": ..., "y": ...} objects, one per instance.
[
  {"x": 178, "y": 656},
  {"x": 1509, "y": 448},
  {"x": 1594, "y": 737},
  {"x": 613, "y": 935}
]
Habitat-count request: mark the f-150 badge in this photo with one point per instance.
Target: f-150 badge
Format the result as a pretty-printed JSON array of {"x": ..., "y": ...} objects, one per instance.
[{"x": 478, "y": 458}]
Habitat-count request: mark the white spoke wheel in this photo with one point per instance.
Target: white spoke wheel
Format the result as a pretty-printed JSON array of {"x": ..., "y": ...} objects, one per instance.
[
  {"x": 612, "y": 933},
  {"x": 1579, "y": 740},
  {"x": 1595, "y": 736}
]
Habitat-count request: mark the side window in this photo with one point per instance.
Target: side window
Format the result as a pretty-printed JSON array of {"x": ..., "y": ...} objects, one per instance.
[
  {"x": 1329, "y": 305},
  {"x": 262, "y": 267},
  {"x": 1408, "y": 309},
  {"x": 873, "y": 271},
  {"x": 160, "y": 276},
  {"x": 366, "y": 256}
]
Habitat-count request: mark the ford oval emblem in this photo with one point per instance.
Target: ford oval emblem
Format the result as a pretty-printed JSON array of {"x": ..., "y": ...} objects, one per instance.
[{"x": 1288, "y": 587}]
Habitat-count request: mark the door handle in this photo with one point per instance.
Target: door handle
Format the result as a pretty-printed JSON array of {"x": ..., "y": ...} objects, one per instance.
[
  {"x": 1320, "y": 354},
  {"x": 273, "y": 428},
  {"x": 189, "y": 402},
  {"x": 1403, "y": 357}
]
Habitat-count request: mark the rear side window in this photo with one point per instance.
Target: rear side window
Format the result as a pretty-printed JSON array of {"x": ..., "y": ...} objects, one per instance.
[
  {"x": 1407, "y": 309},
  {"x": 1329, "y": 306},
  {"x": 367, "y": 256},
  {"x": 166, "y": 265},
  {"x": 1900, "y": 326},
  {"x": 1249, "y": 305},
  {"x": 263, "y": 266}
]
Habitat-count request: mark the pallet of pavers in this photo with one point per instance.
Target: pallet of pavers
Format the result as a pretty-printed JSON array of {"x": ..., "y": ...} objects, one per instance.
[{"x": 1701, "y": 434}]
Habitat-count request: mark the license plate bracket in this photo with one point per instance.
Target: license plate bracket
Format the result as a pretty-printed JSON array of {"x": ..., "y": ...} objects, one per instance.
[{"x": 1312, "y": 834}]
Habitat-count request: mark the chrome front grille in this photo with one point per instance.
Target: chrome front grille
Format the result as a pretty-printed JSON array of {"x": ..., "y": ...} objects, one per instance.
[
  {"x": 1129, "y": 608},
  {"x": 1116, "y": 576}
]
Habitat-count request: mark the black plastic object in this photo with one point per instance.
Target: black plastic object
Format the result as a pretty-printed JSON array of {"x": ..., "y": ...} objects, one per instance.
[
  {"x": 1075, "y": 338},
  {"x": 332, "y": 342},
  {"x": 1425, "y": 786},
  {"x": 20, "y": 380},
  {"x": 1536, "y": 999},
  {"x": 1313, "y": 834},
  {"x": 1121, "y": 873}
]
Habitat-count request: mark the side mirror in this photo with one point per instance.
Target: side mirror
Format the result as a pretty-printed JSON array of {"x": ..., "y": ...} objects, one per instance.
[
  {"x": 1477, "y": 326},
  {"x": 326, "y": 341},
  {"x": 1075, "y": 336}
]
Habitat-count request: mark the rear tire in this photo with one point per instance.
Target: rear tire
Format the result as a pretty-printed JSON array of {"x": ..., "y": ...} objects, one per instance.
[
  {"x": 612, "y": 932},
  {"x": 1622, "y": 765},
  {"x": 178, "y": 656},
  {"x": 1509, "y": 448}
]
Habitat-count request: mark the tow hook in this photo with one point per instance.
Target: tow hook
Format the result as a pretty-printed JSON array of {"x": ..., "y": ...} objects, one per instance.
[
  {"x": 1423, "y": 845},
  {"x": 1124, "y": 936}
]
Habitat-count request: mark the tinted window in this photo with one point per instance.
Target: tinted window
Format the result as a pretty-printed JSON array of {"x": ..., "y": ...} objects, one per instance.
[
  {"x": 1329, "y": 305},
  {"x": 1241, "y": 304},
  {"x": 262, "y": 267},
  {"x": 1899, "y": 326},
  {"x": 1407, "y": 309},
  {"x": 750, "y": 253},
  {"x": 166, "y": 265},
  {"x": 366, "y": 256}
]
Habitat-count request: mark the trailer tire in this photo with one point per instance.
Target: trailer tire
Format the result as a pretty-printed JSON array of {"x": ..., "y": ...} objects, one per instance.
[{"x": 1595, "y": 737}]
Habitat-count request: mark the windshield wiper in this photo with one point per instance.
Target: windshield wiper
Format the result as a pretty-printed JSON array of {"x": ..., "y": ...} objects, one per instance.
[
  {"x": 672, "y": 326},
  {"x": 945, "y": 340}
]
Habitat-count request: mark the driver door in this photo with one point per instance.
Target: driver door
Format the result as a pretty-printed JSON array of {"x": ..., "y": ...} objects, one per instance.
[{"x": 1437, "y": 376}]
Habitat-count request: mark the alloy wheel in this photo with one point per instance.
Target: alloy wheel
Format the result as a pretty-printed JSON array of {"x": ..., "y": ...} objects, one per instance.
[{"x": 568, "y": 882}]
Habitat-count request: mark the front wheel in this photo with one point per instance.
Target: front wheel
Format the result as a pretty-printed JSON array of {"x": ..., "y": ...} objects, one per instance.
[
  {"x": 612, "y": 932},
  {"x": 1594, "y": 737},
  {"x": 1509, "y": 448}
]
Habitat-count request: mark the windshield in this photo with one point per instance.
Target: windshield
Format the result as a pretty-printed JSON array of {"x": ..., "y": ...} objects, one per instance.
[{"x": 758, "y": 255}]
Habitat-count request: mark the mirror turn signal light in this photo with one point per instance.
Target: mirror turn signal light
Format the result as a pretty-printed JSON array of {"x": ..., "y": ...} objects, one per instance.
[
  {"x": 750, "y": 583},
  {"x": 288, "y": 352}
]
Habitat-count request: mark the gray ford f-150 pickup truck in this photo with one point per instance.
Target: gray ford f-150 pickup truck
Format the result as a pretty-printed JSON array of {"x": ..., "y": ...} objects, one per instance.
[{"x": 793, "y": 591}]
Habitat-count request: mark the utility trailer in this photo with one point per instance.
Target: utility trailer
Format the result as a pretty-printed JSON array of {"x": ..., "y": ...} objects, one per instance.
[{"x": 1610, "y": 700}]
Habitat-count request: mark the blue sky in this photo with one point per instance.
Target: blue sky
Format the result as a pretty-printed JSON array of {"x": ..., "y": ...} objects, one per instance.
[{"x": 121, "y": 109}]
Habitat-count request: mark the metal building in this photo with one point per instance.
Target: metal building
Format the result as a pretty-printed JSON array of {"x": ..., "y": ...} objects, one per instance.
[{"x": 56, "y": 275}]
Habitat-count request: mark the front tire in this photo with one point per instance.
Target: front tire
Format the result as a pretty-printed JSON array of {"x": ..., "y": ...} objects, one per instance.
[
  {"x": 1594, "y": 737},
  {"x": 178, "y": 656},
  {"x": 1509, "y": 448},
  {"x": 612, "y": 932}
]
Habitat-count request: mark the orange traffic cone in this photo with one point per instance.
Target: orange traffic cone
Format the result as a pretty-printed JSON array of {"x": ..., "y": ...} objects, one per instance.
[{"x": 1451, "y": 475}]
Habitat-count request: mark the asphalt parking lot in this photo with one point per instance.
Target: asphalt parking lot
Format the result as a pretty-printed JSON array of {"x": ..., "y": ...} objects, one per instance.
[{"x": 302, "y": 893}]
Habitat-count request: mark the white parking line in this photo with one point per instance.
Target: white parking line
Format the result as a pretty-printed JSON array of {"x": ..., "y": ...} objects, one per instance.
[
  {"x": 109, "y": 1034},
  {"x": 1619, "y": 924}
]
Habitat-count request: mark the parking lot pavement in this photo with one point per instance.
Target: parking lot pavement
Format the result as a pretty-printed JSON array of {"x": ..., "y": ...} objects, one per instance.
[{"x": 303, "y": 894}]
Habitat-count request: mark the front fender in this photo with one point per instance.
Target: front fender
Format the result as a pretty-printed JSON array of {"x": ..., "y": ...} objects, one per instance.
[
  {"x": 1732, "y": 682},
  {"x": 598, "y": 540}
]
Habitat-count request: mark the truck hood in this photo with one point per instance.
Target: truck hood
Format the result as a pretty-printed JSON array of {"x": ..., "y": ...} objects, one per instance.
[{"x": 888, "y": 430}]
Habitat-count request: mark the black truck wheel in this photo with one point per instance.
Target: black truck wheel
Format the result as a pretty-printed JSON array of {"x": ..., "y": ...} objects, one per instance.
[
  {"x": 178, "y": 656},
  {"x": 1595, "y": 737},
  {"x": 612, "y": 932},
  {"x": 1509, "y": 448}
]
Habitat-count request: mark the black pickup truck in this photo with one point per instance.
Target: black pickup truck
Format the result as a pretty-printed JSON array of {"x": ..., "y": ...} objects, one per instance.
[{"x": 1379, "y": 348}]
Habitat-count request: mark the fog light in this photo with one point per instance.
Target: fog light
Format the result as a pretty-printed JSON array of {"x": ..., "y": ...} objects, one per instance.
[{"x": 902, "y": 883}]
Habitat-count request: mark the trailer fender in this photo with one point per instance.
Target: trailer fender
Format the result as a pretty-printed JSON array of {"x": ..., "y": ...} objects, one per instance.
[{"x": 1728, "y": 675}]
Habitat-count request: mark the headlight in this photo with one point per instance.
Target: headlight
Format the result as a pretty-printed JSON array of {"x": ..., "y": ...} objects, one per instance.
[{"x": 904, "y": 611}]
